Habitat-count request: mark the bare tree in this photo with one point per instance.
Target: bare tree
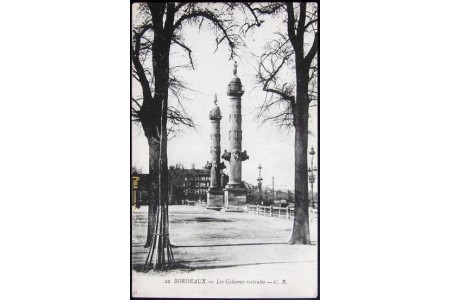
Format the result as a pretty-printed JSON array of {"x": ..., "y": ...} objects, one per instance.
[
  {"x": 287, "y": 71},
  {"x": 159, "y": 28},
  {"x": 147, "y": 109}
]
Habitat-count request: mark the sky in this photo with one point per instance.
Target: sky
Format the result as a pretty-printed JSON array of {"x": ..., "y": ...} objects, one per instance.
[{"x": 266, "y": 143}]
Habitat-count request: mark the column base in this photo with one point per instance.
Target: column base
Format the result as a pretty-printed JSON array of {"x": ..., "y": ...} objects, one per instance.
[
  {"x": 235, "y": 199},
  {"x": 214, "y": 199}
]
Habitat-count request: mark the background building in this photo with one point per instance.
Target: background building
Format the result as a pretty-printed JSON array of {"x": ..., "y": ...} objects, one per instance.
[
  {"x": 195, "y": 184},
  {"x": 184, "y": 184}
]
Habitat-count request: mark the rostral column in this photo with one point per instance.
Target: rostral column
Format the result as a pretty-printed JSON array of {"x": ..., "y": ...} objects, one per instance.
[
  {"x": 235, "y": 191},
  {"x": 215, "y": 193}
]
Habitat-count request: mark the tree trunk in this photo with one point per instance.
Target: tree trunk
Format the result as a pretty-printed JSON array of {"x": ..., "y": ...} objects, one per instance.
[
  {"x": 153, "y": 146},
  {"x": 150, "y": 117},
  {"x": 300, "y": 231},
  {"x": 160, "y": 254}
]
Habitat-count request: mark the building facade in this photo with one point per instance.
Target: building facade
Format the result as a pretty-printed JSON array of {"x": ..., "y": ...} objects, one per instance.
[
  {"x": 195, "y": 184},
  {"x": 184, "y": 184}
]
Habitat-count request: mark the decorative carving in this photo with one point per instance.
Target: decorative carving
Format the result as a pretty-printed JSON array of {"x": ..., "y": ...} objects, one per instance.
[
  {"x": 226, "y": 155},
  {"x": 221, "y": 166},
  {"x": 214, "y": 150},
  {"x": 236, "y": 154},
  {"x": 238, "y": 135},
  {"x": 208, "y": 165},
  {"x": 244, "y": 155}
]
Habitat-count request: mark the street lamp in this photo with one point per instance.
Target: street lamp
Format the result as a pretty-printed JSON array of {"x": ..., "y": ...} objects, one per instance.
[
  {"x": 260, "y": 185},
  {"x": 311, "y": 170},
  {"x": 273, "y": 190}
]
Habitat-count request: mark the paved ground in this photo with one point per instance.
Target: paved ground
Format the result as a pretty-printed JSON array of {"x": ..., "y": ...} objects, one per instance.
[{"x": 238, "y": 247}]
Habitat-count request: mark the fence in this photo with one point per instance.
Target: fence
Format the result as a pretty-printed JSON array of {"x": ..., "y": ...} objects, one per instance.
[
  {"x": 194, "y": 203},
  {"x": 280, "y": 212},
  {"x": 268, "y": 211},
  {"x": 271, "y": 211}
]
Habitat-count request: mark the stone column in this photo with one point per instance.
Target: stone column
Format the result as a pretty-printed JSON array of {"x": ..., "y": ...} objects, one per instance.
[
  {"x": 215, "y": 118},
  {"x": 215, "y": 193},
  {"x": 235, "y": 192},
  {"x": 235, "y": 139}
]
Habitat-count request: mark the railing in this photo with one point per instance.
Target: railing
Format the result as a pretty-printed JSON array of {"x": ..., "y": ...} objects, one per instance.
[
  {"x": 195, "y": 203},
  {"x": 271, "y": 211},
  {"x": 287, "y": 213},
  {"x": 280, "y": 212}
]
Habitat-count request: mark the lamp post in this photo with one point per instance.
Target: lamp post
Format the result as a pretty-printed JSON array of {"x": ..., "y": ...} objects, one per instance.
[
  {"x": 311, "y": 170},
  {"x": 273, "y": 189},
  {"x": 260, "y": 185}
]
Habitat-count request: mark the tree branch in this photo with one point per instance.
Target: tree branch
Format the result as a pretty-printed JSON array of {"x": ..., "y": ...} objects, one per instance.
[
  {"x": 135, "y": 56},
  {"x": 214, "y": 19},
  {"x": 178, "y": 118},
  {"x": 170, "y": 15},
  {"x": 291, "y": 25},
  {"x": 300, "y": 25},
  {"x": 135, "y": 101},
  {"x": 280, "y": 93},
  {"x": 189, "y": 51},
  {"x": 249, "y": 6},
  {"x": 309, "y": 23},
  {"x": 312, "y": 52},
  {"x": 180, "y": 5}
]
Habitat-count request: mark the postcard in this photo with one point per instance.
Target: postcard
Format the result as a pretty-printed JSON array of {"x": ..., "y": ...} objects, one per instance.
[{"x": 225, "y": 159}]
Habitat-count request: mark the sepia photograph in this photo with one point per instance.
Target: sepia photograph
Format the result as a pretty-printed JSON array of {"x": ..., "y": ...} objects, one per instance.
[{"x": 224, "y": 150}]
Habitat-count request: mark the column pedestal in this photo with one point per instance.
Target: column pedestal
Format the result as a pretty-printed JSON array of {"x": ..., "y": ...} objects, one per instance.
[
  {"x": 215, "y": 199},
  {"x": 234, "y": 198}
]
